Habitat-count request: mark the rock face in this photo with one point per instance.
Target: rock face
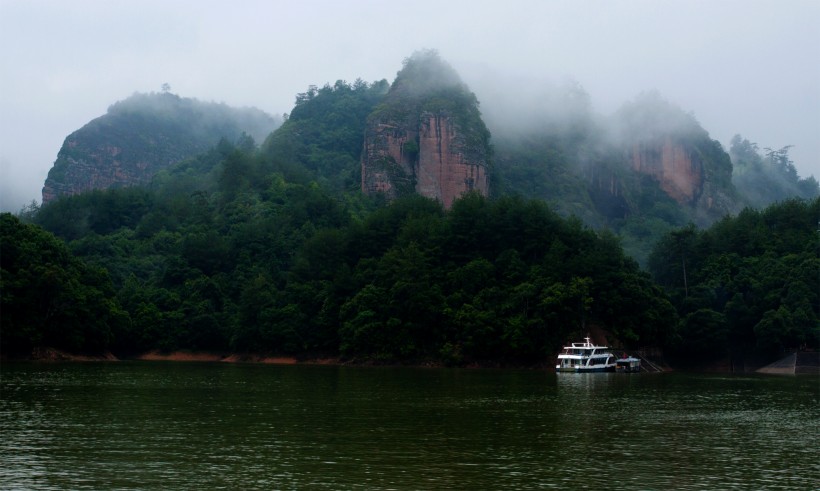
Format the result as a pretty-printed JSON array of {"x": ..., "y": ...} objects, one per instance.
[
  {"x": 662, "y": 142},
  {"x": 678, "y": 171},
  {"x": 696, "y": 174},
  {"x": 427, "y": 137},
  {"x": 389, "y": 159},
  {"x": 142, "y": 135},
  {"x": 101, "y": 167},
  {"x": 447, "y": 167},
  {"x": 430, "y": 158}
]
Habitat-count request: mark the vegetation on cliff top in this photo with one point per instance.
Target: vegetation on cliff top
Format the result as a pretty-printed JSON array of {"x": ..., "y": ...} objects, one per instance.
[
  {"x": 769, "y": 177},
  {"x": 321, "y": 139},
  {"x": 426, "y": 83},
  {"x": 146, "y": 133}
]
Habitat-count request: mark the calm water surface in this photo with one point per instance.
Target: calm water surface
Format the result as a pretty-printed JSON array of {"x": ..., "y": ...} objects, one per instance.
[{"x": 155, "y": 425}]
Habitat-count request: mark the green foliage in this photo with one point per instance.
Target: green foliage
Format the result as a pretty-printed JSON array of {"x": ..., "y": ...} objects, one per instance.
[
  {"x": 322, "y": 138},
  {"x": 769, "y": 178},
  {"x": 748, "y": 285},
  {"x": 144, "y": 134},
  {"x": 585, "y": 168},
  {"x": 50, "y": 298},
  {"x": 95, "y": 212},
  {"x": 222, "y": 254},
  {"x": 274, "y": 250}
]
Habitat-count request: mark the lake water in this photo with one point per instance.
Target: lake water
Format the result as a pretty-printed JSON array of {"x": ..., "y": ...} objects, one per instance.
[{"x": 166, "y": 425}]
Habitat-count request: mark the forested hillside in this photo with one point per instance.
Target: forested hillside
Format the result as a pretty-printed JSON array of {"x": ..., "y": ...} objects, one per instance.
[
  {"x": 322, "y": 137},
  {"x": 271, "y": 266},
  {"x": 275, "y": 249},
  {"x": 642, "y": 172},
  {"x": 268, "y": 265},
  {"x": 749, "y": 286}
]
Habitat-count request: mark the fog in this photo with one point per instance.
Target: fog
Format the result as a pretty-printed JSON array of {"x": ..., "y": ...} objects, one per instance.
[{"x": 738, "y": 66}]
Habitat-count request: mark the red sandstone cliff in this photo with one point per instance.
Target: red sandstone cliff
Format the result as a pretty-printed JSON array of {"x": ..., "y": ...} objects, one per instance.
[
  {"x": 679, "y": 172},
  {"x": 431, "y": 158},
  {"x": 389, "y": 159},
  {"x": 100, "y": 168},
  {"x": 444, "y": 171},
  {"x": 143, "y": 135},
  {"x": 427, "y": 137}
]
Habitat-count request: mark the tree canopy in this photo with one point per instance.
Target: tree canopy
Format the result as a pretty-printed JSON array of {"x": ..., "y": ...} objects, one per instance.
[
  {"x": 747, "y": 286},
  {"x": 247, "y": 260}
]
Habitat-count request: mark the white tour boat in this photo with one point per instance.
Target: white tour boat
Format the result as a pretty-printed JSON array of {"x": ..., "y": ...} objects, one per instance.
[{"x": 585, "y": 357}]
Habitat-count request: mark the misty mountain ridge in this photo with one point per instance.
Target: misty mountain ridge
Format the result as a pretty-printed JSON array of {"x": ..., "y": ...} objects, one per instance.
[
  {"x": 363, "y": 227},
  {"x": 143, "y": 134},
  {"x": 646, "y": 169}
]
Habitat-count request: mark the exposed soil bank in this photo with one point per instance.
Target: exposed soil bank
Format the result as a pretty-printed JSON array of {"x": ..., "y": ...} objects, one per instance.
[
  {"x": 52, "y": 354},
  {"x": 180, "y": 356},
  {"x": 233, "y": 358}
]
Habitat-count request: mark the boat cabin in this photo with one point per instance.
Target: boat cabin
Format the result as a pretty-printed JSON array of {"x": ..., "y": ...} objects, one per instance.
[{"x": 585, "y": 357}]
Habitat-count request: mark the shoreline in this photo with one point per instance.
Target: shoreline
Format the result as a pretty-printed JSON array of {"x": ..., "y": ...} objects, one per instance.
[
  {"x": 810, "y": 361},
  {"x": 185, "y": 356},
  {"x": 48, "y": 354},
  {"x": 53, "y": 355}
]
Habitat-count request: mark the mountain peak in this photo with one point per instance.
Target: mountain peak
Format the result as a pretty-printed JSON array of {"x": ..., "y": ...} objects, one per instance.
[
  {"x": 142, "y": 135},
  {"x": 427, "y": 136}
]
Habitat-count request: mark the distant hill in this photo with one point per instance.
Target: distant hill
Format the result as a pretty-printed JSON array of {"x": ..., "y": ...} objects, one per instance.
[
  {"x": 142, "y": 135},
  {"x": 275, "y": 248},
  {"x": 644, "y": 170},
  {"x": 641, "y": 172}
]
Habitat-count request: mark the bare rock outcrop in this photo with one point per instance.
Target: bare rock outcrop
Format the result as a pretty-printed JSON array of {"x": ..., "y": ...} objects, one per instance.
[
  {"x": 430, "y": 158},
  {"x": 678, "y": 171},
  {"x": 427, "y": 138},
  {"x": 142, "y": 135},
  {"x": 447, "y": 166}
]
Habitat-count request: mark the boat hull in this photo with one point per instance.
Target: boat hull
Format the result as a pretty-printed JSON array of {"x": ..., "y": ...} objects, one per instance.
[{"x": 560, "y": 369}]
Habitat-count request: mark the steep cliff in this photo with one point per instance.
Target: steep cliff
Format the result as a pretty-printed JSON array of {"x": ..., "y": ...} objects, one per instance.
[
  {"x": 669, "y": 146},
  {"x": 142, "y": 135},
  {"x": 678, "y": 171},
  {"x": 427, "y": 136}
]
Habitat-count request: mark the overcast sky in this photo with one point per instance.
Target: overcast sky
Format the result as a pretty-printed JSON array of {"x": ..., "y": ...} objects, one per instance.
[{"x": 740, "y": 66}]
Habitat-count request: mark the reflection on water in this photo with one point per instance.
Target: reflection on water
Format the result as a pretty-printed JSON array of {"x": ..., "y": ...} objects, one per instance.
[{"x": 148, "y": 425}]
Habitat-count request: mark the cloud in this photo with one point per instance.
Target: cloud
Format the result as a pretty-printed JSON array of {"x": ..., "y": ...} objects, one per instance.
[{"x": 741, "y": 66}]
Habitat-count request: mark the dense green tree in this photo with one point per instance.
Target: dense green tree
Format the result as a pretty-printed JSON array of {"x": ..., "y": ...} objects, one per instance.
[
  {"x": 322, "y": 137},
  {"x": 752, "y": 288},
  {"x": 768, "y": 177},
  {"x": 50, "y": 298}
]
